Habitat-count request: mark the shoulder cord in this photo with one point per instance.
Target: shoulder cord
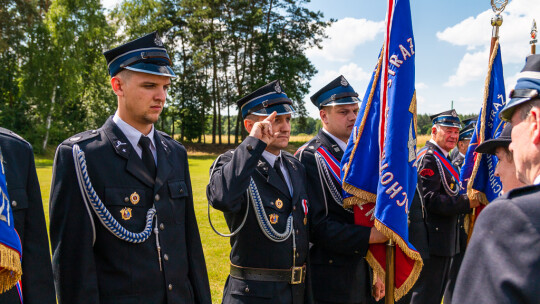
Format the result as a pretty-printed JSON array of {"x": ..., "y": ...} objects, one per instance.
[
  {"x": 91, "y": 198},
  {"x": 210, "y": 220},
  {"x": 324, "y": 175}
]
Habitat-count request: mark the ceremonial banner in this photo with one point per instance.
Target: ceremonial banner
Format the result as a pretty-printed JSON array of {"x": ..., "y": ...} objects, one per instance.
[
  {"x": 10, "y": 244},
  {"x": 378, "y": 169},
  {"x": 478, "y": 171}
]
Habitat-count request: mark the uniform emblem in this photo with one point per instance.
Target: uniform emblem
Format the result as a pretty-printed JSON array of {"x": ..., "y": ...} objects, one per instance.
[
  {"x": 344, "y": 81},
  {"x": 279, "y": 203},
  {"x": 134, "y": 198},
  {"x": 452, "y": 186},
  {"x": 273, "y": 218},
  {"x": 126, "y": 213},
  {"x": 454, "y": 113},
  {"x": 427, "y": 172},
  {"x": 157, "y": 40},
  {"x": 277, "y": 88}
]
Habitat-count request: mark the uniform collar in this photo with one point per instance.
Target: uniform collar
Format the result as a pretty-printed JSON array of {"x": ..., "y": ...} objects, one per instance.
[
  {"x": 442, "y": 150},
  {"x": 270, "y": 158},
  {"x": 132, "y": 134},
  {"x": 341, "y": 143}
]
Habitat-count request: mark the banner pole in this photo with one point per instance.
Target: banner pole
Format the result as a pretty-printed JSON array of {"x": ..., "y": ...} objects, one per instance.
[{"x": 390, "y": 272}]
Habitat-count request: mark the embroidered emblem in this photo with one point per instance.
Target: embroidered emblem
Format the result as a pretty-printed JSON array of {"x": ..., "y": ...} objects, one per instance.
[
  {"x": 452, "y": 186},
  {"x": 344, "y": 81},
  {"x": 134, "y": 198},
  {"x": 427, "y": 172},
  {"x": 119, "y": 143},
  {"x": 126, "y": 213},
  {"x": 454, "y": 113},
  {"x": 277, "y": 88},
  {"x": 279, "y": 203},
  {"x": 273, "y": 218},
  {"x": 157, "y": 40}
]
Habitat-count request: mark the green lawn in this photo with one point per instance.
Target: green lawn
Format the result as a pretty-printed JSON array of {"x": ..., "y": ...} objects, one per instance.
[{"x": 216, "y": 248}]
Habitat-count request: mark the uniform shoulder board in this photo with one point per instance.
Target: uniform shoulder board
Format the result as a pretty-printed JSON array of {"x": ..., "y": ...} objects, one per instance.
[
  {"x": 310, "y": 146},
  {"x": 14, "y": 135},
  {"x": 168, "y": 137},
  {"x": 522, "y": 191},
  {"x": 77, "y": 138},
  {"x": 293, "y": 160},
  {"x": 164, "y": 134}
]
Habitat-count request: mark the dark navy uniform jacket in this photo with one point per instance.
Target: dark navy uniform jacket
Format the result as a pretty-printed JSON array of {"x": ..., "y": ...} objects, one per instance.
[
  {"x": 340, "y": 274},
  {"x": 250, "y": 247},
  {"x": 24, "y": 193},
  {"x": 502, "y": 261},
  {"x": 443, "y": 209},
  {"x": 112, "y": 270}
]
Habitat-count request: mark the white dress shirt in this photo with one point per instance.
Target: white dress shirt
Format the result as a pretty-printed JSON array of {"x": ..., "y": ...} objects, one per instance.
[
  {"x": 271, "y": 158},
  {"x": 133, "y": 135},
  {"x": 443, "y": 150}
]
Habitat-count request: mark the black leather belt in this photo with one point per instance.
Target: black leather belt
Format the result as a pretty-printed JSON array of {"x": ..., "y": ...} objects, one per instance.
[{"x": 293, "y": 275}]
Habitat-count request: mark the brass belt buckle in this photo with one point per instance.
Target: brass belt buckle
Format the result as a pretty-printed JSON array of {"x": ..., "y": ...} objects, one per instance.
[{"x": 297, "y": 274}]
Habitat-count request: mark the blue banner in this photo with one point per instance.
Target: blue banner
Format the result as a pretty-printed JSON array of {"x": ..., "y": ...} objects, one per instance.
[
  {"x": 478, "y": 171},
  {"x": 10, "y": 244},
  {"x": 379, "y": 162}
]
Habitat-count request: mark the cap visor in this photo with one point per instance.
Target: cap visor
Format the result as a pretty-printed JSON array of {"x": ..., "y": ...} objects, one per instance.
[
  {"x": 154, "y": 69},
  {"x": 451, "y": 125},
  {"x": 343, "y": 101},
  {"x": 281, "y": 109}
]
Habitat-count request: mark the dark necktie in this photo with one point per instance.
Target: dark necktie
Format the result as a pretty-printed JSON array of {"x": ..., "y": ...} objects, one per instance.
[
  {"x": 277, "y": 167},
  {"x": 147, "y": 157}
]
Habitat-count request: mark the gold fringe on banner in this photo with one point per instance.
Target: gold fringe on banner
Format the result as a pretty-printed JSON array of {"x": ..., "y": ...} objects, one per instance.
[
  {"x": 11, "y": 270},
  {"x": 472, "y": 193},
  {"x": 379, "y": 270},
  {"x": 360, "y": 197}
]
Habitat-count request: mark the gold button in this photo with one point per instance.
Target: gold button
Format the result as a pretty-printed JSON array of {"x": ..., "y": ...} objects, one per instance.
[
  {"x": 166, "y": 257},
  {"x": 156, "y": 197},
  {"x": 126, "y": 199},
  {"x": 297, "y": 254},
  {"x": 330, "y": 261},
  {"x": 161, "y": 226},
  {"x": 247, "y": 289},
  {"x": 14, "y": 203},
  {"x": 181, "y": 190},
  {"x": 356, "y": 251},
  {"x": 170, "y": 286},
  {"x": 294, "y": 208}
]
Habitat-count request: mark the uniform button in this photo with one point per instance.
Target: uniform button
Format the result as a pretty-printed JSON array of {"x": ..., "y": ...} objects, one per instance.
[
  {"x": 437, "y": 228},
  {"x": 14, "y": 204},
  {"x": 161, "y": 226},
  {"x": 249, "y": 148},
  {"x": 297, "y": 254},
  {"x": 126, "y": 199},
  {"x": 170, "y": 286},
  {"x": 356, "y": 251},
  {"x": 247, "y": 289},
  {"x": 296, "y": 231},
  {"x": 330, "y": 261},
  {"x": 156, "y": 197},
  {"x": 294, "y": 208},
  {"x": 166, "y": 257},
  {"x": 94, "y": 131},
  {"x": 181, "y": 190}
]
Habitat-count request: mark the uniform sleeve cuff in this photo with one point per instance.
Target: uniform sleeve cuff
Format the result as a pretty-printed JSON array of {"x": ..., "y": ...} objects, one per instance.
[{"x": 253, "y": 145}]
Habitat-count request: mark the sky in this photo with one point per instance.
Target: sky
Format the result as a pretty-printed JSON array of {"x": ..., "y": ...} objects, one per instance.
[{"x": 452, "y": 40}]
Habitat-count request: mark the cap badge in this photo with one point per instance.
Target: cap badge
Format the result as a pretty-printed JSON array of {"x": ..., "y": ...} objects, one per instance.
[
  {"x": 157, "y": 40},
  {"x": 344, "y": 81},
  {"x": 279, "y": 203},
  {"x": 134, "y": 198},
  {"x": 273, "y": 218},
  {"x": 126, "y": 213},
  {"x": 454, "y": 114},
  {"x": 277, "y": 88}
]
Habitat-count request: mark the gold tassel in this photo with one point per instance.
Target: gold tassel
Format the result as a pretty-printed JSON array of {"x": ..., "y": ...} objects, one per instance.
[
  {"x": 360, "y": 197},
  {"x": 10, "y": 263}
]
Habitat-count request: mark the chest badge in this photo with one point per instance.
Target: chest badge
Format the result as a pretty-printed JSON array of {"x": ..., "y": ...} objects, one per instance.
[
  {"x": 126, "y": 213},
  {"x": 273, "y": 218},
  {"x": 134, "y": 198},
  {"x": 279, "y": 203}
]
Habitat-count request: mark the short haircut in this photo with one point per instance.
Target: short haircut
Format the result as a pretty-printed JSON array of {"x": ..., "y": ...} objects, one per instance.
[
  {"x": 526, "y": 108},
  {"x": 124, "y": 75}
]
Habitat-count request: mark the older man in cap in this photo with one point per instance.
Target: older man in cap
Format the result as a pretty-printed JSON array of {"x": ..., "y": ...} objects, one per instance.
[
  {"x": 262, "y": 191},
  {"x": 340, "y": 274},
  {"x": 502, "y": 264},
  {"x": 444, "y": 201},
  {"x": 123, "y": 226}
]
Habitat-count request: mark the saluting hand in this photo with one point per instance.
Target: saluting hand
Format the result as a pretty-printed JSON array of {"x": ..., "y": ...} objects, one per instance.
[{"x": 263, "y": 129}]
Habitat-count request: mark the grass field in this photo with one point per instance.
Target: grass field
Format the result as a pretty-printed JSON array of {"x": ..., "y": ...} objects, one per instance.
[{"x": 216, "y": 248}]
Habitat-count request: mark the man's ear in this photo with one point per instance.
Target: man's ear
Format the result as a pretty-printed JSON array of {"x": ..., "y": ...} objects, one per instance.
[
  {"x": 324, "y": 116},
  {"x": 248, "y": 124},
  {"x": 535, "y": 125},
  {"x": 117, "y": 85},
  {"x": 434, "y": 130}
]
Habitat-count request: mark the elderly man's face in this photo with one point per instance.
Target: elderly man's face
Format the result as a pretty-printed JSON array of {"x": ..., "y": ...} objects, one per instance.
[{"x": 445, "y": 137}]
